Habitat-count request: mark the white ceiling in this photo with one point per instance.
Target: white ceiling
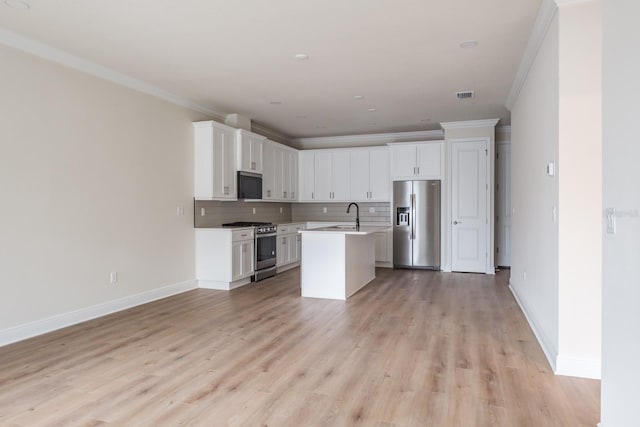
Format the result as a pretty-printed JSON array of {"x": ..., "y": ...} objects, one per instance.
[{"x": 403, "y": 56}]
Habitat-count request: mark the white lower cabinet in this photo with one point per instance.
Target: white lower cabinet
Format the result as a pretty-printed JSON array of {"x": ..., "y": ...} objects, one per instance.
[
  {"x": 224, "y": 257},
  {"x": 289, "y": 246},
  {"x": 384, "y": 241}
]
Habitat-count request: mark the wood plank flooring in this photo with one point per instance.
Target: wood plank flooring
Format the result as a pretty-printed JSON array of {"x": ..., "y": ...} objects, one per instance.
[{"x": 413, "y": 348}]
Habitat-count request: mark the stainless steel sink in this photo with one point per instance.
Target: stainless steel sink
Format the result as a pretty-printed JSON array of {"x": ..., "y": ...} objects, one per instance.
[{"x": 341, "y": 227}]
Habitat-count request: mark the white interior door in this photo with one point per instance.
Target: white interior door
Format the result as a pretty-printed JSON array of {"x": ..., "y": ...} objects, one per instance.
[
  {"x": 503, "y": 206},
  {"x": 469, "y": 206}
]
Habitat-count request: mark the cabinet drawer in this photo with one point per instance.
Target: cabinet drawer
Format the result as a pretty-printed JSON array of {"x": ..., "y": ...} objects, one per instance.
[
  {"x": 283, "y": 229},
  {"x": 244, "y": 234}
]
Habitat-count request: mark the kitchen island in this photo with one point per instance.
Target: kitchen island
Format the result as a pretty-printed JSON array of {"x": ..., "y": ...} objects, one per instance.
[{"x": 337, "y": 261}]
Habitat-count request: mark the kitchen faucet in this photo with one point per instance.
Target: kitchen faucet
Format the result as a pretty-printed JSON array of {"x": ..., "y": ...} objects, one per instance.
[{"x": 357, "y": 214}]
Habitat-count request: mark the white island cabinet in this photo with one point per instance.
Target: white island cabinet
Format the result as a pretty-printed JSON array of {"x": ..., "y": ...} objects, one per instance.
[{"x": 337, "y": 261}]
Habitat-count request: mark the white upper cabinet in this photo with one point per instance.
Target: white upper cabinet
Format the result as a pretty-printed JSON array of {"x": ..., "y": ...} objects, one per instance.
[
  {"x": 215, "y": 161},
  {"x": 250, "y": 147},
  {"x": 280, "y": 172},
  {"x": 370, "y": 174},
  {"x": 423, "y": 160},
  {"x": 268, "y": 171},
  {"x": 306, "y": 173},
  {"x": 331, "y": 175}
]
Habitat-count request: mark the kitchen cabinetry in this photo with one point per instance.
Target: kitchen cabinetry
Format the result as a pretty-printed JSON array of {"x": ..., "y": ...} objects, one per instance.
[
  {"x": 249, "y": 151},
  {"x": 424, "y": 160},
  {"x": 289, "y": 246},
  {"x": 215, "y": 161},
  {"x": 225, "y": 258},
  {"x": 280, "y": 172},
  {"x": 324, "y": 175},
  {"x": 383, "y": 241},
  {"x": 370, "y": 175}
]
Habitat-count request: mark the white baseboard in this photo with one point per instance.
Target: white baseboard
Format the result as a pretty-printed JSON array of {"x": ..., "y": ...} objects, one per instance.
[
  {"x": 59, "y": 321},
  {"x": 547, "y": 348},
  {"x": 561, "y": 365},
  {"x": 223, "y": 286},
  {"x": 578, "y": 367}
]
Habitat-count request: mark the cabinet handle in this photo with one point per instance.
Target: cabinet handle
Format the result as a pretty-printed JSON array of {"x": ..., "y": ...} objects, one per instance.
[
  {"x": 312, "y": 195},
  {"x": 268, "y": 193},
  {"x": 284, "y": 240},
  {"x": 418, "y": 170},
  {"x": 293, "y": 194},
  {"x": 285, "y": 194}
]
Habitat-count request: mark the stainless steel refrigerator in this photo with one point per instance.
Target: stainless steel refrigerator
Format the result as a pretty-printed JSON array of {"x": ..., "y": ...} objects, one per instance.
[{"x": 416, "y": 226}]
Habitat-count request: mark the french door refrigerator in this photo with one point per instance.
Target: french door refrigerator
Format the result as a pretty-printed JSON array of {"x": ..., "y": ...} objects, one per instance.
[{"x": 416, "y": 225}]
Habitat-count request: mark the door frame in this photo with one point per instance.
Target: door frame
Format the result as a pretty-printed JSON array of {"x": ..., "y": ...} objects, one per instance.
[{"x": 490, "y": 171}]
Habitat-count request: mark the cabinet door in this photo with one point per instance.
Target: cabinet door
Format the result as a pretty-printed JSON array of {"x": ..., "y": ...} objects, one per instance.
[
  {"x": 282, "y": 251},
  {"x": 430, "y": 160},
  {"x": 340, "y": 177},
  {"x": 360, "y": 175},
  {"x": 379, "y": 175},
  {"x": 268, "y": 171},
  {"x": 322, "y": 175},
  {"x": 236, "y": 260},
  {"x": 293, "y": 178},
  {"x": 292, "y": 242},
  {"x": 306, "y": 175},
  {"x": 286, "y": 175},
  {"x": 247, "y": 258},
  {"x": 204, "y": 159},
  {"x": 403, "y": 161},
  {"x": 229, "y": 164},
  {"x": 278, "y": 188},
  {"x": 256, "y": 164},
  {"x": 382, "y": 242}
]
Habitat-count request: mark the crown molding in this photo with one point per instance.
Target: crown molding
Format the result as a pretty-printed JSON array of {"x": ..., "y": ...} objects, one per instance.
[
  {"x": 545, "y": 17},
  {"x": 365, "y": 139},
  {"x": 470, "y": 124},
  {"x": 17, "y": 41},
  {"x": 269, "y": 133}
]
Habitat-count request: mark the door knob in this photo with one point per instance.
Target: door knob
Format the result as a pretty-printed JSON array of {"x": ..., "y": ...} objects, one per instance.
[{"x": 457, "y": 222}]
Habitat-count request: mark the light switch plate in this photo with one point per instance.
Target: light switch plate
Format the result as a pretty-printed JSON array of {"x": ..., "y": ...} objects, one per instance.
[
  {"x": 551, "y": 169},
  {"x": 610, "y": 215}
]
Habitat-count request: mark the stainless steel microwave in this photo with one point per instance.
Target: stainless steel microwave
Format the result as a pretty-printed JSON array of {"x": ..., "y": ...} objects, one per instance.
[{"x": 249, "y": 185}]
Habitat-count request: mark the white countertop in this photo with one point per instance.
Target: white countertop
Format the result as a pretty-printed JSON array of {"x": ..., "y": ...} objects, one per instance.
[{"x": 346, "y": 229}]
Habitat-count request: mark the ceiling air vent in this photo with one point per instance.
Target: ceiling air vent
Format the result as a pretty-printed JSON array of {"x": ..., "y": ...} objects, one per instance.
[{"x": 464, "y": 95}]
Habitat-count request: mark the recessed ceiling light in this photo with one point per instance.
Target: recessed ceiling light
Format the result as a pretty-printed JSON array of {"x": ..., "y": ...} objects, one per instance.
[
  {"x": 17, "y": 4},
  {"x": 358, "y": 97},
  {"x": 469, "y": 44},
  {"x": 371, "y": 110},
  {"x": 302, "y": 56},
  {"x": 275, "y": 102},
  {"x": 301, "y": 116},
  {"x": 425, "y": 120}
]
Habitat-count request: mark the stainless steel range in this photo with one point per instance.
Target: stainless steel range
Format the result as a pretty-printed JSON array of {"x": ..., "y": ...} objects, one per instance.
[{"x": 265, "y": 248}]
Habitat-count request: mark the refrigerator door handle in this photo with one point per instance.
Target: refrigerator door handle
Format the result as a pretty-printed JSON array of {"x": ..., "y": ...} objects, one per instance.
[{"x": 413, "y": 216}]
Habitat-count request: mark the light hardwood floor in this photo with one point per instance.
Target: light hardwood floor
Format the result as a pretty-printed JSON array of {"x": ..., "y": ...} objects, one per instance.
[{"x": 413, "y": 348}]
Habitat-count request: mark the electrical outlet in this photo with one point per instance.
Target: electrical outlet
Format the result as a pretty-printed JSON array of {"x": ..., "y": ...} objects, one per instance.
[
  {"x": 113, "y": 277},
  {"x": 524, "y": 275},
  {"x": 202, "y": 212},
  {"x": 280, "y": 209},
  {"x": 324, "y": 210},
  {"x": 610, "y": 214},
  {"x": 254, "y": 211},
  {"x": 554, "y": 214},
  {"x": 179, "y": 211},
  {"x": 372, "y": 210}
]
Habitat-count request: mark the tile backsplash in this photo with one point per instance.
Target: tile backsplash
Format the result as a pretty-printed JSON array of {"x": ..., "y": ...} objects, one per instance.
[
  {"x": 218, "y": 213},
  {"x": 338, "y": 212}
]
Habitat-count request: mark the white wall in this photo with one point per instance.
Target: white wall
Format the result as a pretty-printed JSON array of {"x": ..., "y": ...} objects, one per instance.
[
  {"x": 91, "y": 174},
  {"x": 621, "y": 289},
  {"x": 557, "y": 118},
  {"x": 580, "y": 187},
  {"x": 534, "y": 234}
]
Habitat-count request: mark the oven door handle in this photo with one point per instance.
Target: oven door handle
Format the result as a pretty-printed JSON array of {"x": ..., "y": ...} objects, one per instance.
[{"x": 265, "y": 235}]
